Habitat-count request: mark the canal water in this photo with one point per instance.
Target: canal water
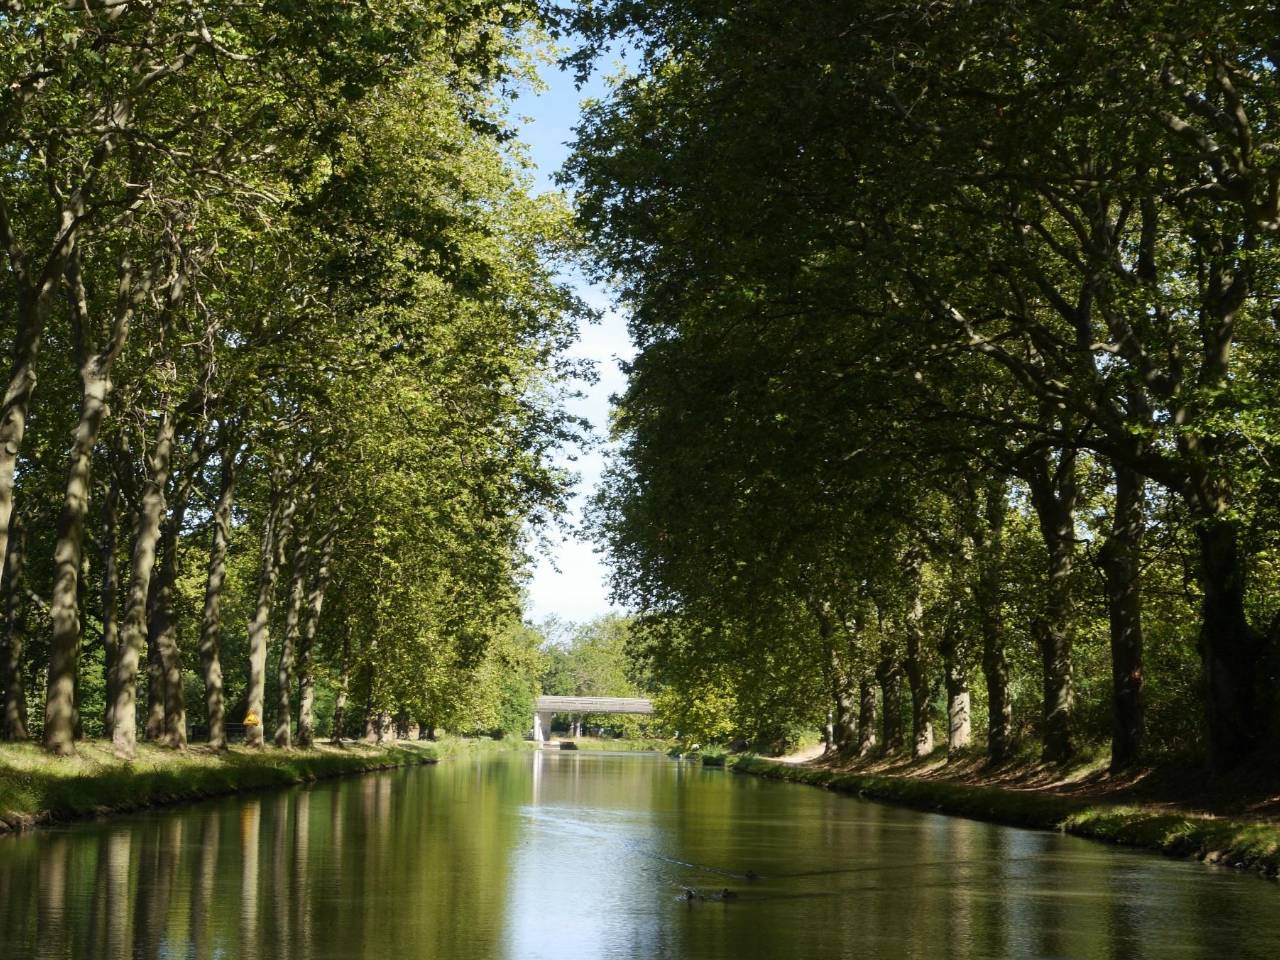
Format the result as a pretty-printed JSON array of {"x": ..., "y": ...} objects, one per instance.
[{"x": 574, "y": 856}]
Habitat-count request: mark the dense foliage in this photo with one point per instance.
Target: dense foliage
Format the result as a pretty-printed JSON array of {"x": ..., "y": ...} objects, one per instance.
[
  {"x": 958, "y": 340},
  {"x": 286, "y": 368}
]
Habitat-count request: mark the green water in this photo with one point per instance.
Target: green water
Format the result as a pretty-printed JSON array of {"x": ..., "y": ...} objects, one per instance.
[{"x": 582, "y": 855}]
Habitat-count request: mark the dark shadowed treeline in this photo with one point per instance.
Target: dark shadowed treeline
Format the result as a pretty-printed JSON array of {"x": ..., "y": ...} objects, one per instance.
[
  {"x": 954, "y": 414},
  {"x": 284, "y": 356}
]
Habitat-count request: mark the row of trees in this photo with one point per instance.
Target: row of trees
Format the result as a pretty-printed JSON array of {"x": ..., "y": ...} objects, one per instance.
[
  {"x": 958, "y": 330},
  {"x": 286, "y": 367}
]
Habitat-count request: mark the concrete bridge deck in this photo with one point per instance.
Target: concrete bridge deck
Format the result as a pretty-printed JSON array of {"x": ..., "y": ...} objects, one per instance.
[{"x": 546, "y": 707}]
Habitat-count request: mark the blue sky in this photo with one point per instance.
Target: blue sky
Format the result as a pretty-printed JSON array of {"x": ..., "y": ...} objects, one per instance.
[{"x": 572, "y": 583}]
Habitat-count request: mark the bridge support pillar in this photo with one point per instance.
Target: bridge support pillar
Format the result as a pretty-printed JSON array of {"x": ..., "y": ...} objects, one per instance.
[{"x": 541, "y": 725}]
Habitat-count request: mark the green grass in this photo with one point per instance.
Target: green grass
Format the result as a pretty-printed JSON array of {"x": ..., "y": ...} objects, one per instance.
[
  {"x": 36, "y": 787},
  {"x": 1245, "y": 844},
  {"x": 713, "y": 756}
]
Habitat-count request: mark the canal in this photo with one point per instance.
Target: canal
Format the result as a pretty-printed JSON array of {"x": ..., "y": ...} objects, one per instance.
[{"x": 582, "y": 855}]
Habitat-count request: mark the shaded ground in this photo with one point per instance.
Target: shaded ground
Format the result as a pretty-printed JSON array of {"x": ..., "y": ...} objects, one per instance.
[
  {"x": 1174, "y": 808},
  {"x": 1252, "y": 793}
]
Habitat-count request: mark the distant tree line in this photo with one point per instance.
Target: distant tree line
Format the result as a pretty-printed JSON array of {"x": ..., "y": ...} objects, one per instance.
[
  {"x": 955, "y": 412},
  {"x": 285, "y": 368}
]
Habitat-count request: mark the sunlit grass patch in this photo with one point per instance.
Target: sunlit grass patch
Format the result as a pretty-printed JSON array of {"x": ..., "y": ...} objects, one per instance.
[
  {"x": 35, "y": 786},
  {"x": 641, "y": 745}
]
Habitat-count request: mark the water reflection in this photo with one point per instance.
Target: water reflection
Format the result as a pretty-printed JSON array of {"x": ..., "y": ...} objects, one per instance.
[{"x": 580, "y": 855}]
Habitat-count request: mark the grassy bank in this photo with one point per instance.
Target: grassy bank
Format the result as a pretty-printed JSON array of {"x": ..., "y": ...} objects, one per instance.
[
  {"x": 37, "y": 788},
  {"x": 1246, "y": 844},
  {"x": 626, "y": 746}
]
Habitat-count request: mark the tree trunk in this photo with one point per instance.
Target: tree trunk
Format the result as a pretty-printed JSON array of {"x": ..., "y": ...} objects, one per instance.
[
  {"x": 843, "y": 719},
  {"x": 1234, "y": 655},
  {"x": 956, "y": 677},
  {"x": 1122, "y": 564},
  {"x": 916, "y": 667},
  {"x": 110, "y": 604},
  {"x": 163, "y": 626},
  {"x": 211, "y": 616},
  {"x": 164, "y": 619},
  {"x": 889, "y": 675},
  {"x": 274, "y": 535},
  {"x": 1053, "y": 494},
  {"x": 133, "y": 632},
  {"x": 31, "y": 308},
  {"x": 153, "y": 729},
  {"x": 344, "y": 684},
  {"x": 989, "y": 547},
  {"x": 866, "y": 717},
  {"x": 291, "y": 640},
  {"x": 15, "y": 696},
  {"x": 959, "y": 728},
  {"x": 64, "y": 601},
  {"x": 61, "y": 713},
  {"x": 315, "y": 604}
]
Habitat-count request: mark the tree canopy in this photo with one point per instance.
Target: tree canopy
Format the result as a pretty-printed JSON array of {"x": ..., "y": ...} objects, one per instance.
[
  {"x": 957, "y": 324},
  {"x": 287, "y": 368}
]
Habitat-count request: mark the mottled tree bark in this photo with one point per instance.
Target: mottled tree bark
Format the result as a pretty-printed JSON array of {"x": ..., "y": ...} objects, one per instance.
[
  {"x": 64, "y": 599},
  {"x": 211, "y": 615},
  {"x": 60, "y": 713},
  {"x": 14, "y": 726},
  {"x": 916, "y": 666},
  {"x": 843, "y": 709},
  {"x": 1241, "y": 670},
  {"x": 1053, "y": 495},
  {"x": 866, "y": 717},
  {"x": 153, "y": 729},
  {"x": 955, "y": 671},
  {"x": 162, "y": 629},
  {"x": 1234, "y": 656},
  {"x": 110, "y": 603},
  {"x": 133, "y": 631},
  {"x": 889, "y": 676},
  {"x": 315, "y": 605},
  {"x": 989, "y": 550},
  {"x": 344, "y": 686},
  {"x": 274, "y": 535},
  {"x": 290, "y": 641},
  {"x": 31, "y": 308},
  {"x": 959, "y": 725},
  {"x": 1122, "y": 566},
  {"x": 844, "y": 719}
]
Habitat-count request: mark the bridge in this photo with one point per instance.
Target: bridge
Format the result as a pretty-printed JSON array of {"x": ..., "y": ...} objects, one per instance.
[{"x": 546, "y": 707}]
